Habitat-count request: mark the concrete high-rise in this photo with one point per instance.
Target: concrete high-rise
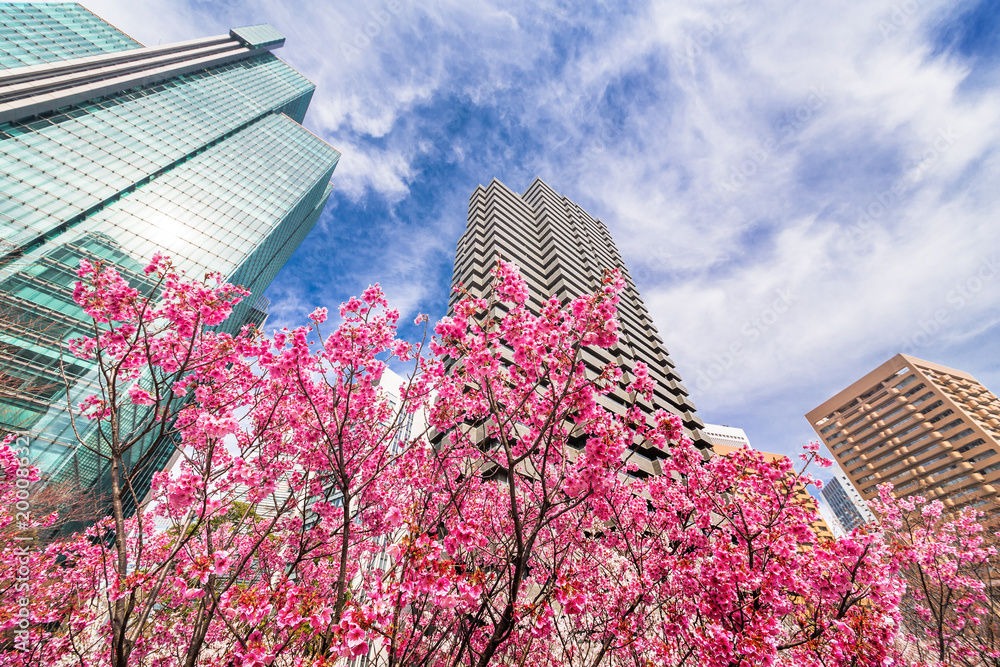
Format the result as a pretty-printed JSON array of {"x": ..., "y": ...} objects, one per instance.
[
  {"x": 563, "y": 251},
  {"x": 112, "y": 151},
  {"x": 846, "y": 502},
  {"x": 923, "y": 427}
]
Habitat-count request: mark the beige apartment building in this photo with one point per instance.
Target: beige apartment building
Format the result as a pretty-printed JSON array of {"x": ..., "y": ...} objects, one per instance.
[
  {"x": 923, "y": 427},
  {"x": 561, "y": 250}
]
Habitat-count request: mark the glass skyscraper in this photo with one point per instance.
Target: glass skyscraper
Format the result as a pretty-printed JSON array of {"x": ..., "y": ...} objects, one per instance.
[{"x": 112, "y": 151}]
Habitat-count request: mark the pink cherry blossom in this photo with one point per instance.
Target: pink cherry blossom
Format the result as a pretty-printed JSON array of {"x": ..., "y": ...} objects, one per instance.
[{"x": 510, "y": 525}]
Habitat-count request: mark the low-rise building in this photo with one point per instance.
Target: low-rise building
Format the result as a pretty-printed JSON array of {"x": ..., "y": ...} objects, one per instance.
[{"x": 728, "y": 439}]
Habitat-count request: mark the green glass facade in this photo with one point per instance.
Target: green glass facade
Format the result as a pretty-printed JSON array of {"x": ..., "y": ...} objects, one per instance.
[
  {"x": 209, "y": 165},
  {"x": 36, "y": 33},
  {"x": 257, "y": 36}
]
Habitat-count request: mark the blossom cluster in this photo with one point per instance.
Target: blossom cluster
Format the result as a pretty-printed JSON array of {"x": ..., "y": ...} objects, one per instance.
[{"x": 304, "y": 527}]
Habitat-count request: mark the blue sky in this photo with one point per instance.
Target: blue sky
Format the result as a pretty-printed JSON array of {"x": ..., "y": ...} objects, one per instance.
[{"x": 800, "y": 189}]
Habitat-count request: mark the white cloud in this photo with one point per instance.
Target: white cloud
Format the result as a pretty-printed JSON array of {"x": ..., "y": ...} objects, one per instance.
[
  {"x": 735, "y": 165},
  {"x": 712, "y": 259},
  {"x": 384, "y": 171}
]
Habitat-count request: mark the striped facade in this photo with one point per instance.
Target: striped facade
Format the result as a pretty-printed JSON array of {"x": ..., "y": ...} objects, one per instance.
[
  {"x": 561, "y": 250},
  {"x": 846, "y": 502}
]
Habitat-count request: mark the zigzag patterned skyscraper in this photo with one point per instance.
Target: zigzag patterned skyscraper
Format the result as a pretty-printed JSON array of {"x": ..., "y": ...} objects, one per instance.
[{"x": 563, "y": 251}]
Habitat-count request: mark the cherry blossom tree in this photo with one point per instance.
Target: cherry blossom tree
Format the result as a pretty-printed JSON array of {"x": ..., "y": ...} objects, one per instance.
[
  {"x": 301, "y": 528},
  {"x": 951, "y": 562}
]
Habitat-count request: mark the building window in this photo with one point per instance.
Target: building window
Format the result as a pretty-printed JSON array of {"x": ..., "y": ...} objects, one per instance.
[
  {"x": 941, "y": 416},
  {"x": 958, "y": 436},
  {"x": 950, "y": 425}
]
